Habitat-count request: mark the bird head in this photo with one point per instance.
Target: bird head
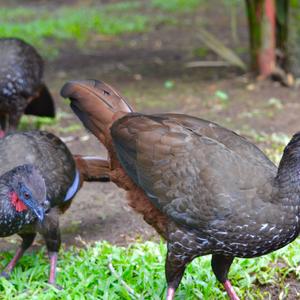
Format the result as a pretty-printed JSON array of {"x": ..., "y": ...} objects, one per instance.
[
  {"x": 96, "y": 104},
  {"x": 27, "y": 190}
]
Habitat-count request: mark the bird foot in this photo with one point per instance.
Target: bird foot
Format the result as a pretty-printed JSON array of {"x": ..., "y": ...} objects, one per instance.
[
  {"x": 53, "y": 285},
  {"x": 5, "y": 275},
  {"x": 230, "y": 291}
]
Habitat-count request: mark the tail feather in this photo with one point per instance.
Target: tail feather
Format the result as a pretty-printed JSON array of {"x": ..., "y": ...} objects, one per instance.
[
  {"x": 92, "y": 168},
  {"x": 97, "y": 105},
  {"x": 42, "y": 104}
]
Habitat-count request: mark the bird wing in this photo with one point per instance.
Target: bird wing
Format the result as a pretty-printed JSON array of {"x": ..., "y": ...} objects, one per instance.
[
  {"x": 195, "y": 179},
  {"x": 229, "y": 138}
]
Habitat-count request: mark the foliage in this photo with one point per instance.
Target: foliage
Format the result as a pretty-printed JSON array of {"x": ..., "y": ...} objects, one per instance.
[
  {"x": 33, "y": 122},
  {"x": 86, "y": 274},
  {"x": 48, "y": 26}
]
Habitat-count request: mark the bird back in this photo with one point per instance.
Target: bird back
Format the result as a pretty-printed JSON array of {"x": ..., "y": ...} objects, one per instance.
[
  {"x": 48, "y": 153},
  {"x": 21, "y": 68}
]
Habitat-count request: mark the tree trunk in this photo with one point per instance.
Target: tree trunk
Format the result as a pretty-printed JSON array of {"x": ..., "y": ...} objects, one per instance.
[
  {"x": 261, "y": 18},
  {"x": 293, "y": 44},
  {"x": 282, "y": 34}
]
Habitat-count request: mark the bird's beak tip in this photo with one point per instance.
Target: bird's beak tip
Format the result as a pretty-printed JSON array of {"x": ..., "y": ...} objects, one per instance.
[{"x": 40, "y": 213}]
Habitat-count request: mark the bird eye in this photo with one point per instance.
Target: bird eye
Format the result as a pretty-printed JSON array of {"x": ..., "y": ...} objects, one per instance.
[{"x": 26, "y": 195}]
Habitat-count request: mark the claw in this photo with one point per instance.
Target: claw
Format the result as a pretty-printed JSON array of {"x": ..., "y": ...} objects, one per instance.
[
  {"x": 53, "y": 285},
  {"x": 5, "y": 275}
]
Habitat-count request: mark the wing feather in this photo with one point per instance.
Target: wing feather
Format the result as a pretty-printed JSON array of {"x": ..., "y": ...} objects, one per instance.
[{"x": 190, "y": 174}]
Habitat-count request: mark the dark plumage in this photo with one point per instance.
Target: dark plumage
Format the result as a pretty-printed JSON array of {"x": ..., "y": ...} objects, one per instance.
[
  {"x": 21, "y": 87},
  {"x": 204, "y": 188},
  {"x": 15, "y": 186},
  {"x": 41, "y": 165}
]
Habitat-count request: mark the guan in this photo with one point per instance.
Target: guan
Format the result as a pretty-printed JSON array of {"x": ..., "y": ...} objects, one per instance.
[
  {"x": 21, "y": 87},
  {"x": 204, "y": 188},
  {"x": 38, "y": 179}
]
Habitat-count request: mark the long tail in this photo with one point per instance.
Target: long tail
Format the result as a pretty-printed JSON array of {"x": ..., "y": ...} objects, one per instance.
[
  {"x": 92, "y": 168},
  {"x": 96, "y": 104},
  {"x": 42, "y": 104}
]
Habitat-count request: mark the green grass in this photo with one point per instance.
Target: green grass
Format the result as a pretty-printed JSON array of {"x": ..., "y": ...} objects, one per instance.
[
  {"x": 33, "y": 122},
  {"x": 37, "y": 25},
  {"x": 274, "y": 143},
  {"x": 29, "y": 122},
  {"x": 85, "y": 274},
  {"x": 176, "y": 5},
  {"x": 71, "y": 23},
  {"x": 47, "y": 27}
]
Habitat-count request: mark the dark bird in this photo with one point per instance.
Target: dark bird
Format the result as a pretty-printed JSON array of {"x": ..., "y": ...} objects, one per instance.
[
  {"x": 21, "y": 87},
  {"x": 39, "y": 178},
  {"x": 204, "y": 188}
]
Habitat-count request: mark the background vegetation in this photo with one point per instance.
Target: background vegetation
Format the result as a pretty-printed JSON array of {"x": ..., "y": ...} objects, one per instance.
[{"x": 47, "y": 29}]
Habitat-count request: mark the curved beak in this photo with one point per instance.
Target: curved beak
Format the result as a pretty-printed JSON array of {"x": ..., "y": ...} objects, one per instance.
[
  {"x": 37, "y": 209},
  {"x": 40, "y": 213}
]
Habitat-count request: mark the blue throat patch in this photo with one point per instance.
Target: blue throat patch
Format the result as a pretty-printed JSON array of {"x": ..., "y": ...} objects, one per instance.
[{"x": 73, "y": 188}]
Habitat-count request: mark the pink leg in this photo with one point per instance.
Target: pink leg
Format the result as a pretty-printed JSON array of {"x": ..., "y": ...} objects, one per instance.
[
  {"x": 53, "y": 262},
  {"x": 170, "y": 293},
  {"x": 12, "y": 263},
  {"x": 2, "y": 134},
  {"x": 230, "y": 291}
]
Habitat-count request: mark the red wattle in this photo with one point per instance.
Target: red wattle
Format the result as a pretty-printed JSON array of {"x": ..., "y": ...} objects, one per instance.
[{"x": 17, "y": 202}]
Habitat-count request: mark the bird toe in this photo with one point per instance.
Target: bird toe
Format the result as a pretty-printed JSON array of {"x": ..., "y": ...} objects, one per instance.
[
  {"x": 53, "y": 285},
  {"x": 5, "y": 275}
]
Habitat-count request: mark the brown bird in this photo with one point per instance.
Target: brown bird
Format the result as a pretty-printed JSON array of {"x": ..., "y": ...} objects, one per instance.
[
  {"x": 204, "y": 188},
  {"x": 21, "y": 87},
  {"x": 38, "y": 179}
]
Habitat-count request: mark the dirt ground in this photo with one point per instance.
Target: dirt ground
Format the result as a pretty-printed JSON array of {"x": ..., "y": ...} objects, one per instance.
[{"x": 150, "y": 70}]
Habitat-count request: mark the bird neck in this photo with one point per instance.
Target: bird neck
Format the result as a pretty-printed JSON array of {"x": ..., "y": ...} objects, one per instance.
[{"x": 288, "y": 175}]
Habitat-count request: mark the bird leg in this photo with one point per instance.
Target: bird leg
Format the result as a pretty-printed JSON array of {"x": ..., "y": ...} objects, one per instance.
[
  {"x": 176, "y": 262},
  {"x": 4, "y": 124},
  {"x": 13, "y": 122},
  {"x": 53, "y": 262},
  {"x": 230, "y": 291},
  {"x": 220, "y": 265},
  {"x": 170, "y": 293},
  {"x": 27, "y": 240},
  {"x": 8, "y": 269},
  {"x": 51, "y": 234}
]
